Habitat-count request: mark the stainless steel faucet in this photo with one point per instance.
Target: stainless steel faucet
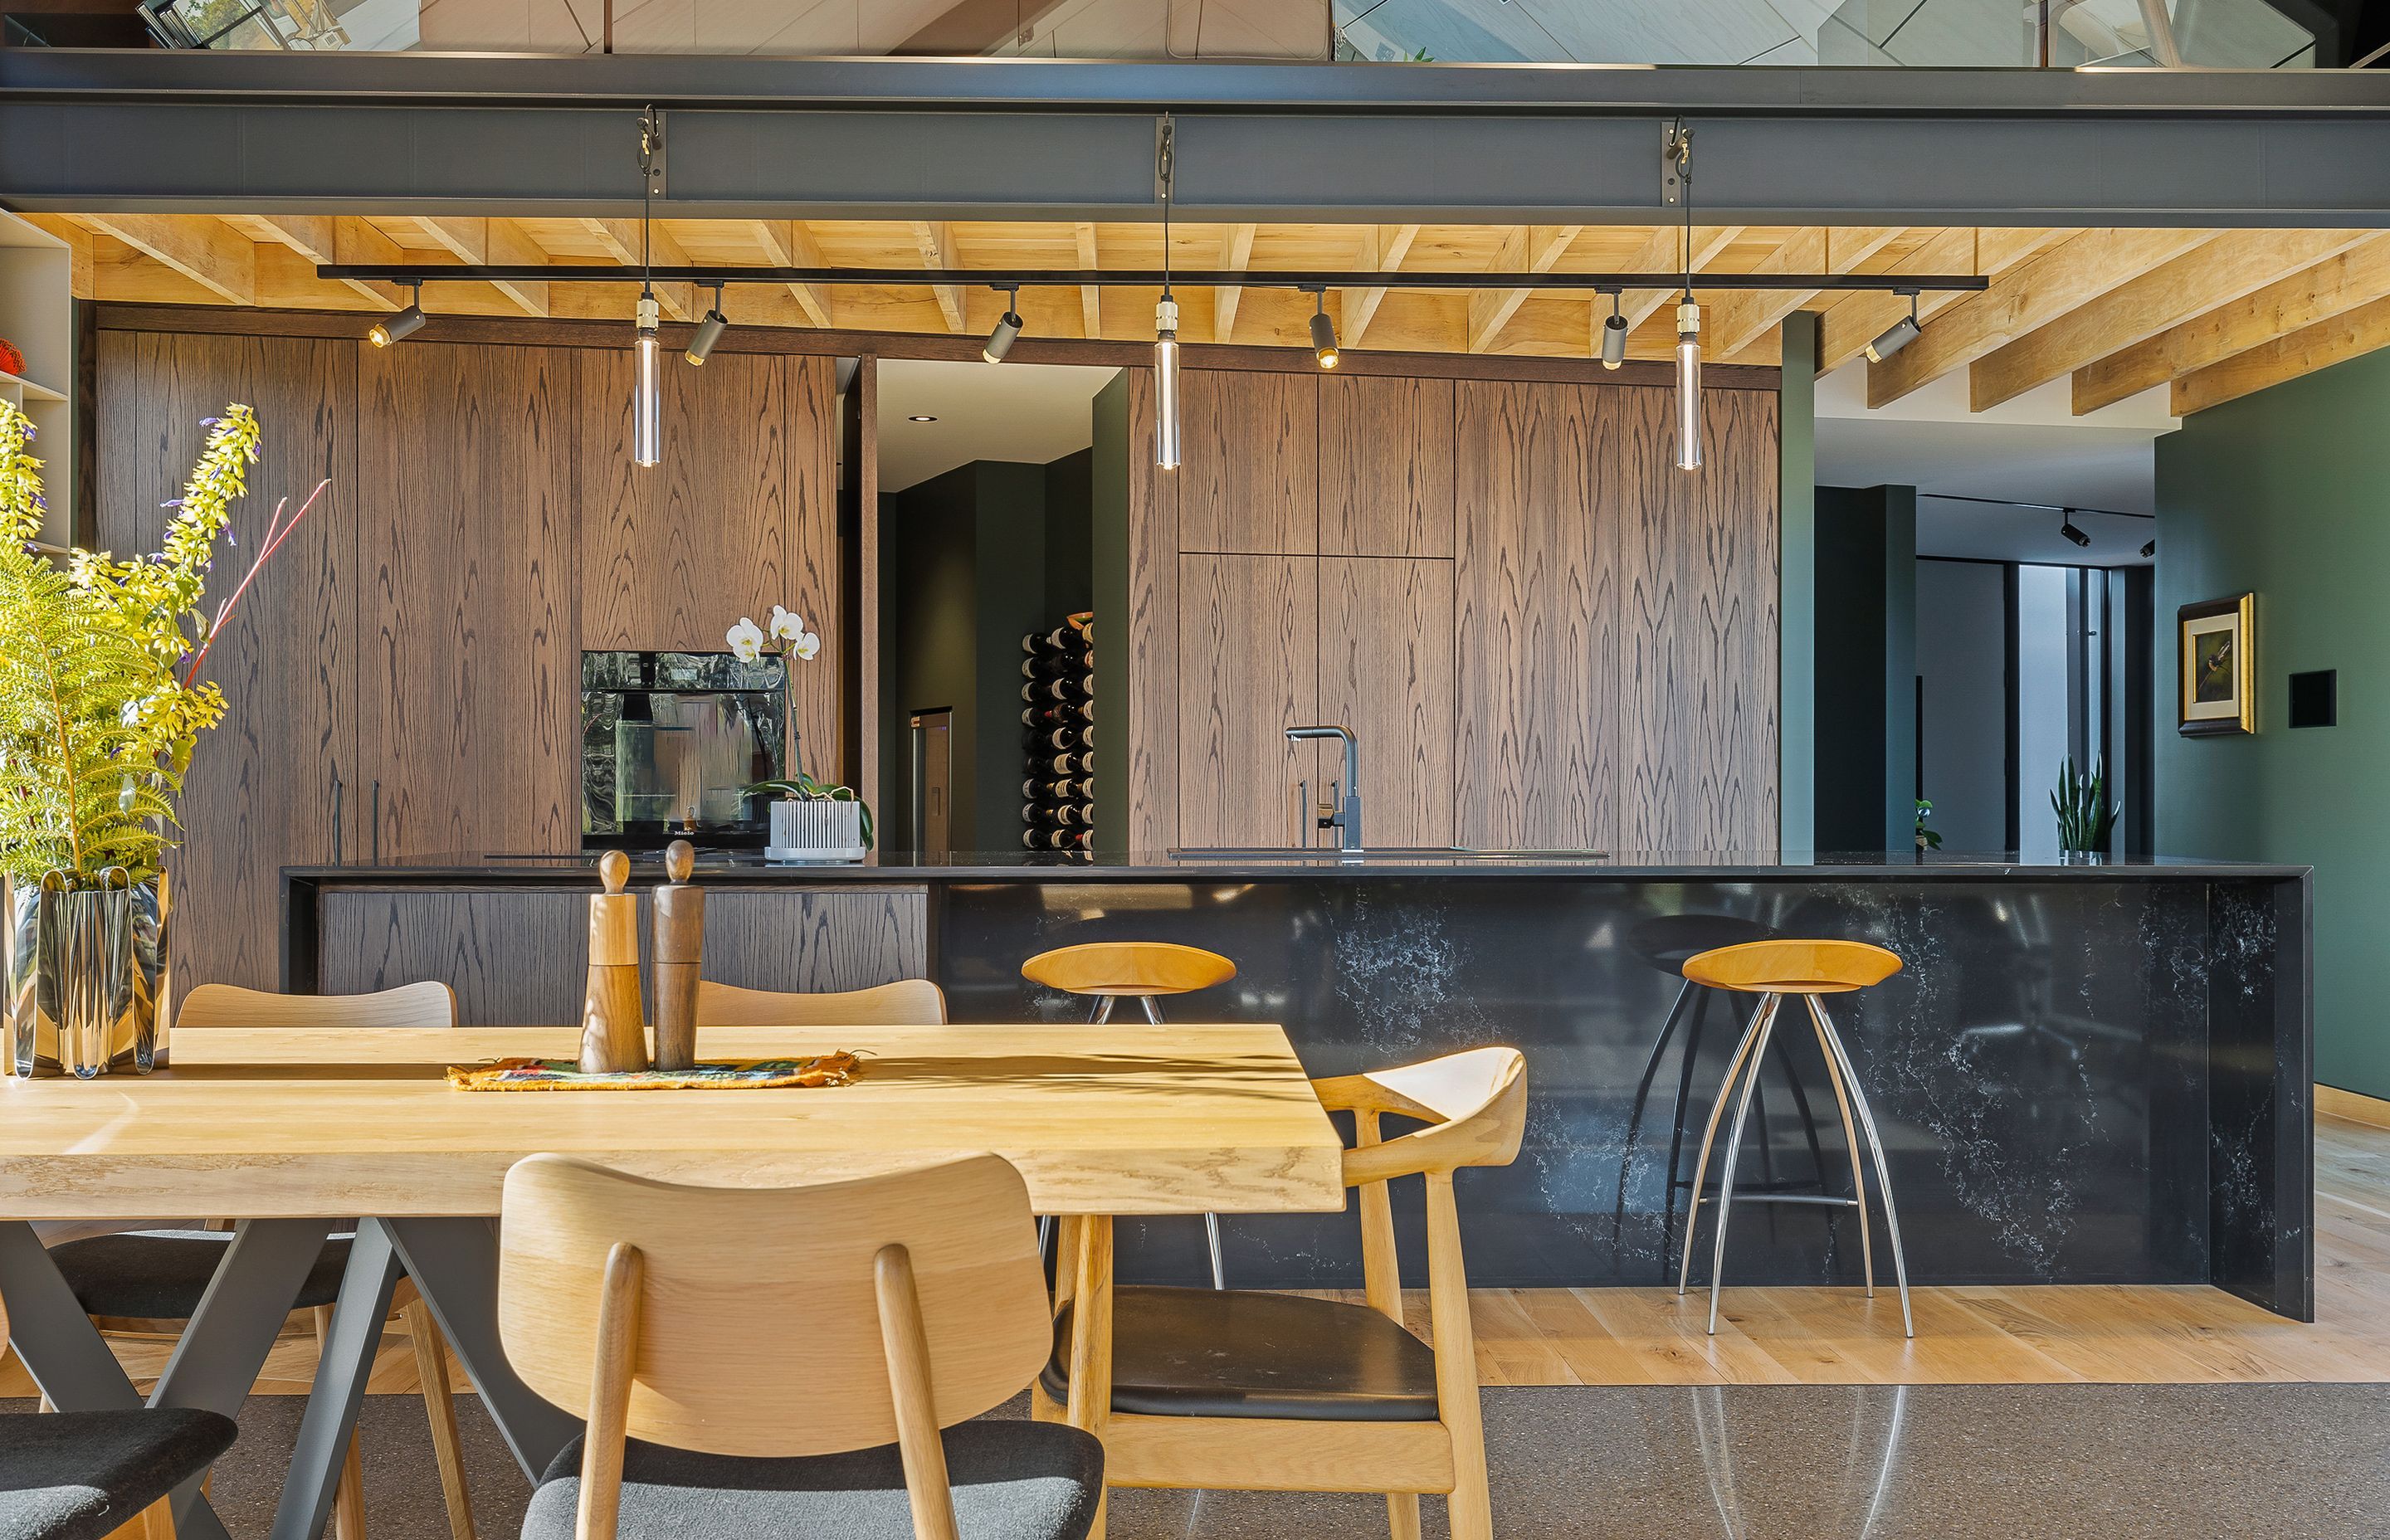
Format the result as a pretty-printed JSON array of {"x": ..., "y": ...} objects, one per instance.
[{"x": 1341, "y": 813}]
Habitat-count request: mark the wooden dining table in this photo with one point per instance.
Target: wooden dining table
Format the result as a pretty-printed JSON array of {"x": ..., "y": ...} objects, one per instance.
[{"x": 295, "y": 1132}]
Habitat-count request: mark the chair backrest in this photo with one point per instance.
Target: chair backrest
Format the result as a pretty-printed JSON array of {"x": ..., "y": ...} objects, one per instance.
[
  {"x": 1128, "y": 968},
  {"x": 1792, "y": 966},
  {"x": 905, "y": 1003},
  {"x": 758, "y": 1317},
  {"x": 428, "y": 1004},
  {"x": 1475, "y": 1104}
]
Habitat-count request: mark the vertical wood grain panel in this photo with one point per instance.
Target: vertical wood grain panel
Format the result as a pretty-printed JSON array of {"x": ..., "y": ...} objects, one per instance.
[
  {"x": 258, "y": 795},
  {"x": 829, "y": 939},
  {"x": 862, "y": 469},
  {"x": 1249, "y": 480},
  {"x": 470, "y": 707},
  {"x": 809, "y": 386},
  {"x": 1534, "y": 662},
  {"x": 1153, "y": 623},
  {"x": 514, "y": 959},
  {"x": 1641, "y": 494},
  {"x": 1248, "y": 650},
  {"x": 1739, "y": 509},
  {"x": 1385, "y": 466},
  {"x": 1386, "y": 671}
]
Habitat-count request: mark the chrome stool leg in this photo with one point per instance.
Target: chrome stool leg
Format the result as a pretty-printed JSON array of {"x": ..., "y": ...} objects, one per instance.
[
  {"x": 1875, "y": 1148},
  {"x": 1211, "y": 1221},
  {"x": 1759, "y": 1017},
  {"x": 1733, "y": 1150},
  {"x": 1851, "y": 1143}
]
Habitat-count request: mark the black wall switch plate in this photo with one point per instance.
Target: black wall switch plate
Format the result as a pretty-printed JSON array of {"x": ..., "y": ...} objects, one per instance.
[{"x": 2315, "y": 699}]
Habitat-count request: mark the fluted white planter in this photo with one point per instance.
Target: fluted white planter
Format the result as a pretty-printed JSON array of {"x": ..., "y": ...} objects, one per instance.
[{"x": 805, "y": 831}]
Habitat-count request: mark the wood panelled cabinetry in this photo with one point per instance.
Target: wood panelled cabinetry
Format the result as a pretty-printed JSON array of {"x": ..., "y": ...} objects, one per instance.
[
  {"x": 278, "y": 783},
  {"x": 415, "y": 649},
  {"x": 1544, "y": 635}
]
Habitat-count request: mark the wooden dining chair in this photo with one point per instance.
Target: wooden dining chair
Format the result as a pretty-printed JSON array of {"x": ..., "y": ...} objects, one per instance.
[
  {"x": 1279, "y": 1392},
  {"x": 788, "y": 1362},
  {"x": 905, "y": 1003},
  {"x": 84, "y": 1475},
  {"x": 149, "y": 1282}
]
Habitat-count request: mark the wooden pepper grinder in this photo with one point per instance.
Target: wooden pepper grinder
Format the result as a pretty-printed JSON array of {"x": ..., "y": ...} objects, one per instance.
[
  {"x": 613, "y": 1036},
  {"x": 679, "y": 925}
]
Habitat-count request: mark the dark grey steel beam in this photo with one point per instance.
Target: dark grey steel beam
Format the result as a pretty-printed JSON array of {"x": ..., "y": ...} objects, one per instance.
[
  {"x": 1021, "y": 139},
  {"x": 1148, "y": 277}
]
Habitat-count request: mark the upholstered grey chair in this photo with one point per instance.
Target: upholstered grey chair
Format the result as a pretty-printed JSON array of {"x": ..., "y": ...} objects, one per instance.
[
  {"x": 78, "y": 1475},
  {"x": 787, "y": 1363}
]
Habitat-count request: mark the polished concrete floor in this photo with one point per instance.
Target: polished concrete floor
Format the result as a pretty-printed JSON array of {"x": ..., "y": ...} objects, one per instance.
[{"x": 1641, "y": 1463}]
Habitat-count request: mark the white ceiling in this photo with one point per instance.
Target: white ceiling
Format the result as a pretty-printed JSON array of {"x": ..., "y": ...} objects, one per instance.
[
  {"x": 1030, "y": 413},
  {"x": 2032, "y": 449}
]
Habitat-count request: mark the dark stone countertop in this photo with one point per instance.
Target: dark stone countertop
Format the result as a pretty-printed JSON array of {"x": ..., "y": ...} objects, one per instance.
[{"x": 750, "y": 868}]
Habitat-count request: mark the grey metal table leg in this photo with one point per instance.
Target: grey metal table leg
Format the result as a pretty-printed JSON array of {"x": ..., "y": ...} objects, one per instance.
[
  {"x": 216, "y": 1361},
  {"x": 455, "y": 1264},
  {"x": 330, "y": 1418}
]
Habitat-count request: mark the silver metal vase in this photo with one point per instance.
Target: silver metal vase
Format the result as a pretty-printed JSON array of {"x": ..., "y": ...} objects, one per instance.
[{"x": 87, "y": 977}]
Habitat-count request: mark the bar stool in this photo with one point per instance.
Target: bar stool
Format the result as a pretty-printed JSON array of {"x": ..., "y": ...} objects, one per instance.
[
  {"x": 1139, "y": 970},
  {"x": 1773, "y": 969}
]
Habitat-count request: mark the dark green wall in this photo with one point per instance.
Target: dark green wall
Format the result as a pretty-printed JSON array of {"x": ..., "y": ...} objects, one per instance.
[
  {"x": 1865, "y": 641},
  {"x": 971, "y": 562},
  {"x": 1796, "y": 477},
  {"x": 2286, "y": 494}
]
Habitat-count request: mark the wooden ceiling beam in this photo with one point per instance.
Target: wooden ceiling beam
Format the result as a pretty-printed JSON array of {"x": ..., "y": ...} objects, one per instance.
[
  {"x": 1847, "y": 326},
  {"x": 2354, "y": 278},
  {"x": 935, "y": 238},
  {"x": 328, "y": 238},
  {"x": 1526, "y": 249},
  {"x": 2348, "y": 334},
  {"x": 1663, "y": 251},
  {"x": 787, "y": 243},
  {"x": 1236, "y": 254},
  {"x": 620, "y": 239},
  {"x": 498, "y": 242},
  {"x": 1742, "y": 317},
  {"x": 2230, "y": 267},
  {"x": 2029, "y": 295},
  {"x": 206, "y": 250},
  {"x": 1091, "y": 308},
  {"x": 1391, "y": 244}
]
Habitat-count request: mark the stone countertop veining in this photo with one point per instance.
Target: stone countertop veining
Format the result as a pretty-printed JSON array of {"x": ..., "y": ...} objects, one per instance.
[{"x": 750, "y": 867}]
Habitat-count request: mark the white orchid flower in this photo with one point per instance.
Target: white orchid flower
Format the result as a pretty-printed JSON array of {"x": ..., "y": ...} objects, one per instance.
[
  {"x": 805, "y": 644},
  {"x": 787, "y": 624},
  {"x": 746, "y": 640}
]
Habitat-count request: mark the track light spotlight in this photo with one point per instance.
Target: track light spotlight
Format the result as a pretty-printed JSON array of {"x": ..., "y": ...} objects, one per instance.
[
  {"x": 1613, "y": 335},
  {"x": 1897, "y": 336},
  {"x": 1008, "y": 329},
  {"x": 1323, "y": 332},
  {"x": 709, "y": 330},
  {"x": 404, "y": 325},
  {"x": 2148, "y": 549},
  {"x": 2067, "y": 527}
]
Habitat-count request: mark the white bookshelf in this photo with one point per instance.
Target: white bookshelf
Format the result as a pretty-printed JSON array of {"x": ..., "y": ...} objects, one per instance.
[{"x": 37, "y": 314}]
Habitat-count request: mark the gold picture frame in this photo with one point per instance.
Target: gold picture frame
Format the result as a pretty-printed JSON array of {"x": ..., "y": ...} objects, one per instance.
[{"x": 2216, "y": 644}]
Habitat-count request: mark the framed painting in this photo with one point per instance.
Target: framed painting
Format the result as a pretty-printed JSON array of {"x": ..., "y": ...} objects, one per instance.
[{"x": 2216, "y": 641}]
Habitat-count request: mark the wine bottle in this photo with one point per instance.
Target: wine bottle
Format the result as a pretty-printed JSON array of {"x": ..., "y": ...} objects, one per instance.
[
  {"x": 1066, "y": 738},
  {"x": 1071, "y": 764},
  {"x": 1051, "y": 716}
]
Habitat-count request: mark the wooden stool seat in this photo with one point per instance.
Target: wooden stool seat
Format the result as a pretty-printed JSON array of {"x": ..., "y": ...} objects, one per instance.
[
  {"x": 1789, "y": 967},
  {"x": 1128, "y": 968}
]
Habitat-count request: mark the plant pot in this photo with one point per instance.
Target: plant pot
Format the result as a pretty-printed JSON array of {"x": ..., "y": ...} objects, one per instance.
[
  {"x": 816, "y": 829},
  {"x": 2082, "y": 857},
  {"x": 87, "y": 979}
]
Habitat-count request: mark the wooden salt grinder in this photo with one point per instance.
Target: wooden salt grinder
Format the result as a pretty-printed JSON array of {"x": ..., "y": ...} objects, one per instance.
[
  {"x": 679, "y": 928},
  {"x": 613, "y": 1036}
]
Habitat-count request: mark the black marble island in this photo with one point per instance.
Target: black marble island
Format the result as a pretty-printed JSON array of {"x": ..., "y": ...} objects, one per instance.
[{"x": 2084, "y": 1075}]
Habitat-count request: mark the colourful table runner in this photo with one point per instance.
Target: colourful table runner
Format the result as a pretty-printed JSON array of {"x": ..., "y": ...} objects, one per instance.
[{"x": 723, "y": 1074}]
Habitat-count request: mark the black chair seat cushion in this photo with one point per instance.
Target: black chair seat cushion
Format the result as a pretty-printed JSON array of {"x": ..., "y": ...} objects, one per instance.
[
  {"x": 77, "y": 1475},
  {"x": 1237, "y": 1352},
  {"x": 1011, "y": 1481},
  {"x": 159, "y": 1275}
]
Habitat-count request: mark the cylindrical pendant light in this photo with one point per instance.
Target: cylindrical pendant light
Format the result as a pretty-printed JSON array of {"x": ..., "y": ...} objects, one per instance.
[
  {"x": 1613, "y": 335},
  {"x": 1165, "y": 384},
  {"x": 647, "y": 390},
  {"x": 1689, "y": 385}
]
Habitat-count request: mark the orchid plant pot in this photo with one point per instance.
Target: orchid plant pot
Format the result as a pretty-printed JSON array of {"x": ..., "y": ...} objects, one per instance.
[{"x": 87, "y": 977}]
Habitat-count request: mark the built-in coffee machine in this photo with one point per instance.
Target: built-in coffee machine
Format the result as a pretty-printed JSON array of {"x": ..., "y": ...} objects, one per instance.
[{"x": 670, "y": 741}]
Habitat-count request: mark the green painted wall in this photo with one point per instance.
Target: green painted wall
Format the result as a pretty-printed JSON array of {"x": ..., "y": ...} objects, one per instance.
[
  {"x": 2286, "y": 494},
  {"x": 1864, "y": 644}
]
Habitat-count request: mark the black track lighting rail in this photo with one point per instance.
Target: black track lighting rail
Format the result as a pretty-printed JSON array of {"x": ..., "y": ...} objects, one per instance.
[
  {"x": 1001, "y": 279},
  {"x": 2044, "y": 507}
]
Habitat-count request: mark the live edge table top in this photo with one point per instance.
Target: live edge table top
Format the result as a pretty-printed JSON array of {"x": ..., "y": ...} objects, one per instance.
[{"x": 301, "y": 1123}]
